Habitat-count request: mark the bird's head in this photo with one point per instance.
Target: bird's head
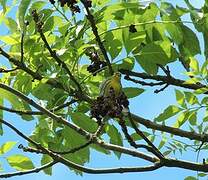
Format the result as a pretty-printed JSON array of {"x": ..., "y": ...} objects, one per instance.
[{"x": 117, "y": 76}]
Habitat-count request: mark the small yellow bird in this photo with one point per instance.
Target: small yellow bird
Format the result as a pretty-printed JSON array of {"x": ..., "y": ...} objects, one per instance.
[{"x": 112, "y": 82}]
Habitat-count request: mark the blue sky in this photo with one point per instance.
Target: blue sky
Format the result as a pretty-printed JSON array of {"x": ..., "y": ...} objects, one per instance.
[{"x": 147, "y": 105}]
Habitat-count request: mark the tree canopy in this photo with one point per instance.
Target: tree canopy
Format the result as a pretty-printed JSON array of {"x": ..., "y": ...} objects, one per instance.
[{"x": 56, "y": 54}]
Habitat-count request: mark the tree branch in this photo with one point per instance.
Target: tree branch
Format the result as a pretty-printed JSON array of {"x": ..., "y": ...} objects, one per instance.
[
  {"x": 79, "y": 130},
  {"x": 130, "y": 139},
  {"x": 175, "y": 131},
  {"x": 128, "y": 151},
  {"x": 163, "y": 162},
  {"x": 140, "y": 133},
  {"x": 58, "y": 158}
]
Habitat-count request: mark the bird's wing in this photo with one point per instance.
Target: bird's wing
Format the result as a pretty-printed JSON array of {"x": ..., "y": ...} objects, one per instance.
[{"x": 103, "y": 86}]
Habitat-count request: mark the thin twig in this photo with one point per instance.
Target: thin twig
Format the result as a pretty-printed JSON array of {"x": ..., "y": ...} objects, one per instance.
[
  {"x": 166, "y": 71},
  {"x": 143, "y": 83},
  {"x": 73, "y": 150},
  {"x": 166, "y": 79},
  {"x": 57, "y": 9},
  {"x": 161, "y": 89},
  {"x": 22, "y": 48}
]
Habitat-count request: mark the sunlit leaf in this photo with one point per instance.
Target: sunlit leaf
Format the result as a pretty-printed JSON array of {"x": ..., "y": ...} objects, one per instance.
[
  {"x": 7, "y": 147},
  {"x": 20, "y": 162},
  {"x": 168, "y": 112}
]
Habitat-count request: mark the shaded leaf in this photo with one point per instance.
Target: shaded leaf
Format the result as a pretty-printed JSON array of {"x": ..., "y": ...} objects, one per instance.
[
  {"x": 190, "y": 178},
  {"x": 46, "y": 159},
  {"x": 131, "y": 92},
  {"x": 115, "y": 137},
  {"x": 168, "y": 112},
  {"x": 84, "y": 121}
]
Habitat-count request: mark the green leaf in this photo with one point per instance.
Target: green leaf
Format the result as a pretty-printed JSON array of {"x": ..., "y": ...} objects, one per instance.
[
  {"x": 111, "y": 11},
  {"x": 11, "y": 24},
  {"x": 115, "y": 137},
  {"x": 182, "y": 118},
  {"x": 162, "y": 143},
  {"x": 7, "y": 147},
  {"x": 71, "y": 140},
  {"x": 127, "y": 63},
  {"x": 168, "y": 112},
  {"x": 1, "y": 116},
  {"x": 37, "y": 5},
  {"x": 23, "y": 83},
  {"x": 42, "y": 91},
  {"x": 46, "y": 159},
  {"x": 180, "y": 97},
  {"x": 137, "y": 137},
  {"x": 100, "y": 2},
  {"x": 24, "y": 4},
  {"x": 49, "y": 24},
  {"x": 175, "y": 32},
  {"x": 112, "y": 44},
  {"x": 84, "y": 121},
  {"x": 205, "y": 119},
  {"x": 20, "y": 162},
  {"x": 3, "y": 4},
  {"x": 190, "y": 45},
  {"x": 201, "y": 90},
  {"x": 191, "y": 98},
  {"x": 190, "y": 178},
  {"x": 167, "y": 152},
  {"x": 11, "y": 39},
  {"x": 150, "y": 13},
  {"x": 194, "y": 64},
  {"x": 202, "y": 174},
  {"x": 132, "y": 92},
  {"x": 15, "y": 102},
  {"x": 152, "y": 54},
  {"x": 100, "y": 149},
  {"x": 193, "y": 118},
  {"x": 132, "y": 40},
  {"x": 169, "y": 13}
]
